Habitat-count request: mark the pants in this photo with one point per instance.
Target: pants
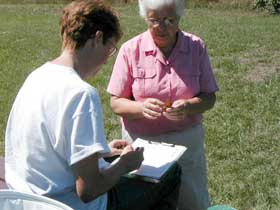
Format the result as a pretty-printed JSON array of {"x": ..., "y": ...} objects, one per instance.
[
  {"x": 135, "y": 194},
  {"x": 193, "y": 193}
]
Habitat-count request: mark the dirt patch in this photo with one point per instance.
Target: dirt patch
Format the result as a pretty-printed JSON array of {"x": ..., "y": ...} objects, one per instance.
[
  {"x": 262, "y": 72},
  {"x": 264, "y": 64}
]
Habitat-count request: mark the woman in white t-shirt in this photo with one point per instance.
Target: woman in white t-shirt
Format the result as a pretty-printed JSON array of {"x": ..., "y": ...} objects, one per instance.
[{"x": 55, "y": 140}]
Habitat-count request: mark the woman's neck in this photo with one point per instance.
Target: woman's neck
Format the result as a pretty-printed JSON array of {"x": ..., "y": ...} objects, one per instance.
[
  {"x": 66, "y": 58},
  {"x": 167, "y": 50},
  {"x": 69, "y": 58}
]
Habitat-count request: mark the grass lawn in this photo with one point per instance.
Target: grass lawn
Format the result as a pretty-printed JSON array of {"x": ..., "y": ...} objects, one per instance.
[{"x": 242, "y": 131}]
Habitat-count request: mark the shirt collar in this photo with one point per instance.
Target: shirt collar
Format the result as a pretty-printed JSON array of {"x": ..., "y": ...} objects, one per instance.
[
  {"x": 182, "y": 44},
  {"x": 150, "y": 47}
]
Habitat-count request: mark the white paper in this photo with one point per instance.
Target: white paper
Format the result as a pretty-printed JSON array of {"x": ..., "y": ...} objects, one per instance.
[{"x": 158, "y": 157}]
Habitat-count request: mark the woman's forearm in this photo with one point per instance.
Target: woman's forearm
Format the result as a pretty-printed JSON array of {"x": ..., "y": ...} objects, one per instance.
[
  {"x": 201, "y": 103},
  {"x": 127, "y": 108}
]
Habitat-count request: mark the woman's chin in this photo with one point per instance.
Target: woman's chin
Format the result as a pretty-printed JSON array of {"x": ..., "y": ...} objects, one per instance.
[{"x": 161, "y": 42}]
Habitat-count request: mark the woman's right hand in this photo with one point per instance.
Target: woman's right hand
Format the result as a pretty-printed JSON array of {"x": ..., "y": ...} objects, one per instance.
[
  {"x": 152, "y": 108},
  {"x": 131, "y": 159}
]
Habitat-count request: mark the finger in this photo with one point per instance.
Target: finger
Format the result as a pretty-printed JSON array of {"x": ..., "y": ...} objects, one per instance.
[
  {"x": 173, "y": 117},
  {"x": 151, "y": 114},
  {"x": 154, "y": 104},
  {"x": 129, "y": 148},
  {"x": 140, "y": 149},
  {"x": 119, "y": 140},
  {"x": 123, "y": 142},
  {"x": 156, "y": 101},
  {"x": 179, "y": 104},
  {"x": 172, "y": 111},
  {"x": 159, "y": 103},
  {"x": 119, "y": 143},
  {"x": 178, "y": 115},
  {"x": 117, "y": 151},
  {"x": 154, "y": 107}
]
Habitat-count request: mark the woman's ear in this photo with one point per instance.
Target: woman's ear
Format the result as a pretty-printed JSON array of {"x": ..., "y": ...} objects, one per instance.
[{"x": 99, "y": 36}]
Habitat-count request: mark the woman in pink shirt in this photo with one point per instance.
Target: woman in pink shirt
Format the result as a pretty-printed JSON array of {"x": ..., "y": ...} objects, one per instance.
[{"x": 161, "y": 84}]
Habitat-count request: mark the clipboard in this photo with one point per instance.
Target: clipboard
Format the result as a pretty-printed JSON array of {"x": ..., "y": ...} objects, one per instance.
[{"x": 158, "y": 158}]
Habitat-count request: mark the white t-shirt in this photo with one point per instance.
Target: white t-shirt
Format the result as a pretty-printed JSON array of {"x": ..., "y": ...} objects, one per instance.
[{"x": 56, "y": 120}]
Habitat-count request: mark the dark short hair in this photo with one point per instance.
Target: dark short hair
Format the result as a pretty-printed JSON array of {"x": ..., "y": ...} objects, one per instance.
[{"x": 83, "y": 18}]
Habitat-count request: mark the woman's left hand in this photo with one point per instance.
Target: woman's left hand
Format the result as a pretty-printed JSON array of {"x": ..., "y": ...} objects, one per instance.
[
  {"x": 178, "y": 111},
  {"x": 117, "y": 146}
]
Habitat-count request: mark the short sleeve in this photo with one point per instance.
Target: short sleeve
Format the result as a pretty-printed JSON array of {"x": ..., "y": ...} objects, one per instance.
[
  {"x": 207, "y": 79},
  {"x": 85, "y": 131},
  {"x": 121, "y": 80}
]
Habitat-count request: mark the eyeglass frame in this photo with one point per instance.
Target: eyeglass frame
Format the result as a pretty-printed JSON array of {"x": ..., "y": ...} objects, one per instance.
[
  {"x": 113, "y": 50},
  {"x": 166, "y": 21}
]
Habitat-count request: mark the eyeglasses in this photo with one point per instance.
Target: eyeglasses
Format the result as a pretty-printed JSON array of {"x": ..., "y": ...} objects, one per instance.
[
  {"x": 165, "y": 21},
  {"x": 113, "y": 49}
]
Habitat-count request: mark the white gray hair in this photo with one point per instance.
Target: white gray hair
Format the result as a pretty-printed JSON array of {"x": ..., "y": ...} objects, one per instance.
[{"x": 145, "y": 5}]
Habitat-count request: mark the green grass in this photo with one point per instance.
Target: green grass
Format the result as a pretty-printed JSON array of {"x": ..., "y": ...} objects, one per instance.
[{"x": 242, "y": 131}]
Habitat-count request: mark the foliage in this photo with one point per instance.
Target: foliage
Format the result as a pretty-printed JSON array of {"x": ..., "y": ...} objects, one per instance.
[{"x": 271, "y": 5}]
